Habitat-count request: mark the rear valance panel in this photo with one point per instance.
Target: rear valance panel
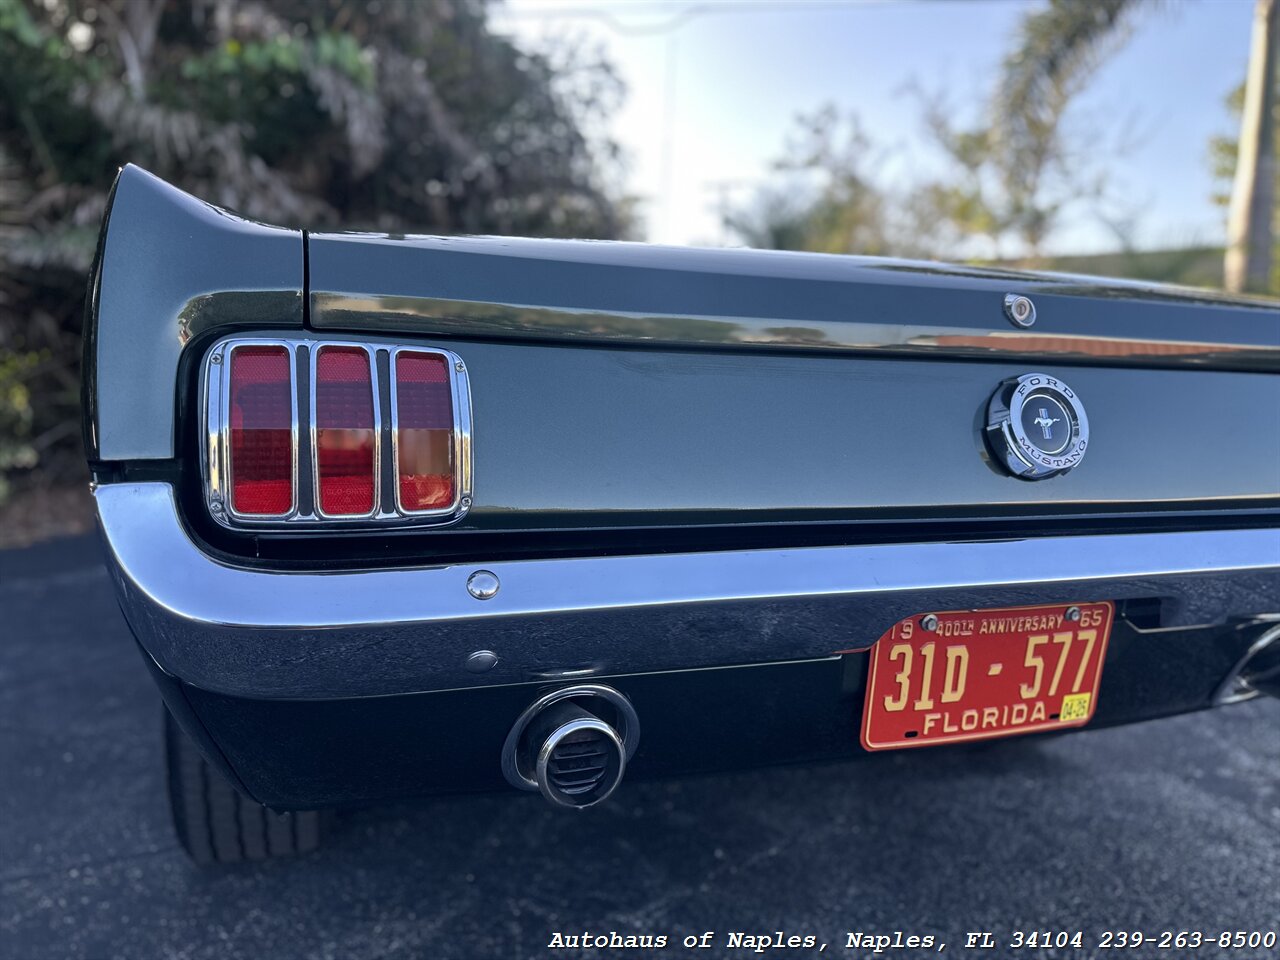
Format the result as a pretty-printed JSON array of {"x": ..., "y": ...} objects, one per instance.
[
  {"x": 626, "y": 385},
  {"x": 582, "y": 437},
  {"x": 651, "y": 435}
]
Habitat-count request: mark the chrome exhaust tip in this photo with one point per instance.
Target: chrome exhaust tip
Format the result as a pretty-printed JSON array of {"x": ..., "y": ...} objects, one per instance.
[
  {"x": 572, "y": 745},
  {"x": 1256, "y": 674},
  {"x": 580, "y": 760}
]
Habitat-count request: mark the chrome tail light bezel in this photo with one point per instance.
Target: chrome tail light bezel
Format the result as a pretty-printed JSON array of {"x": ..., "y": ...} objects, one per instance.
[
  {"x": 313, "y": 358},
  {"x": 215, "y": 392},
  {"x": 215, "y": 438}
]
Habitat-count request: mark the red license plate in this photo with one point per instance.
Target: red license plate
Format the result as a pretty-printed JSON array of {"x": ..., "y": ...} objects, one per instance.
[{"x": 979, "y": 674}]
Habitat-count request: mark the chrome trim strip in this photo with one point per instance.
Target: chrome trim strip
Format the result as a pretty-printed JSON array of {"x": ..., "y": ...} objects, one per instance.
[
  {"x": 461, "y": 431},
  {"x": 481, "y": 320}
]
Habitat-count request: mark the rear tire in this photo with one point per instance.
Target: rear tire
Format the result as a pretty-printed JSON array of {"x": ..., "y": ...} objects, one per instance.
[{"x": 215, "y": 823}]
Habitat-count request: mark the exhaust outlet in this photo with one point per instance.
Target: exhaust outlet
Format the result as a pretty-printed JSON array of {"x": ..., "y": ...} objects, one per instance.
[
  {"x": 1262, "y": 671},
  {"x": 1257, "y": 673},
  {"x": 579, "y": 758},
  {"x": 572, "y": 745}
]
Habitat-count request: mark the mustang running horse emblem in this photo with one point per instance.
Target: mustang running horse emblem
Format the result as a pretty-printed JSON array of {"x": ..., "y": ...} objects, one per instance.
[{"x": 1045, "y": 422}]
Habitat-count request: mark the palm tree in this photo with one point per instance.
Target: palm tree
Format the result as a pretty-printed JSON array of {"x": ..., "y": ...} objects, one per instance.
[
  {"x": 1058, "y": 48},
  {"x": 1250, "y": 221}
]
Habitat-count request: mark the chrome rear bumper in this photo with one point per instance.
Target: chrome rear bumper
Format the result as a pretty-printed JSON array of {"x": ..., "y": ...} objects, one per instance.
[{"x": 290, "y": 635}]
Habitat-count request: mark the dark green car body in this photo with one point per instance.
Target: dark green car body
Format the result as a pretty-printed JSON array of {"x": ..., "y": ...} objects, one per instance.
[{"x": 702, "y": 477}]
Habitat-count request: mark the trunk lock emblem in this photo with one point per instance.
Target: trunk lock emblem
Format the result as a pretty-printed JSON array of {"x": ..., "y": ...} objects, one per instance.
[
  {"x": 1036, "y": 426},
  {"x": 1020, "y": 310}
]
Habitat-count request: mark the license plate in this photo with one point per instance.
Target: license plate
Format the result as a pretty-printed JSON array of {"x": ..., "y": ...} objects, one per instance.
[{"x": 977, "y": 674}]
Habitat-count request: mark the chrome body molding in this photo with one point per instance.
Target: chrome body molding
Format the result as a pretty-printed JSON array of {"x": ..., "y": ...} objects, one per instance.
[
  {"x": 215, "y": 449},
  {"x": 769, "y": 301},
  {"x": 478, "y": 320},
  {"x": 295, "y": 635}
]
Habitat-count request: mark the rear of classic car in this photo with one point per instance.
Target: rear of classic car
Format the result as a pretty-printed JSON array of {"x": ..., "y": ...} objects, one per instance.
[{"x": 398, "y": 516}]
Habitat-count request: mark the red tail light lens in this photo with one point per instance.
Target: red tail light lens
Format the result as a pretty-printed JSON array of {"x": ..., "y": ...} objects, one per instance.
[
  {"x": 261, "y": 414},
  {"x": 424, "y": 432},
  {"x": 378, "y": 435},
  {"x": 346, "y": 475}
]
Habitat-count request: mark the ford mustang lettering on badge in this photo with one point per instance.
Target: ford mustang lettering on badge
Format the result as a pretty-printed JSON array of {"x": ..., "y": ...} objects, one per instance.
[{"x": 395, "y": 516}]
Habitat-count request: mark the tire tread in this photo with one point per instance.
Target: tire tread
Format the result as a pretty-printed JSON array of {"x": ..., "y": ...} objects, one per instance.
[{"x": 215, "y": 823}]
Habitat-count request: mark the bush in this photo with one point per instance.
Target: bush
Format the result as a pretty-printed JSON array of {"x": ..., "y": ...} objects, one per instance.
[{"x": 313, "y": 113}]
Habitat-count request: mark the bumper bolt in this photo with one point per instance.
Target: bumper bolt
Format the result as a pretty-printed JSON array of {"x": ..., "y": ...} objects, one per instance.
[
  {"x": 482, "y": 661},
  {"x": 929, "y": 622},
  {"x": 1073, "y": 613},
  {"x": 483, "y": 585}
]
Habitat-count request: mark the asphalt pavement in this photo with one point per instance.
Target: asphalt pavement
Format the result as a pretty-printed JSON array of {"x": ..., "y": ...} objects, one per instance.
[{"x": 1172, "y": 825}]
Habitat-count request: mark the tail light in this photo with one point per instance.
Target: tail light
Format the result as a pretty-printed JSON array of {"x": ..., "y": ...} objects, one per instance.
[
  {"x": 262, "y": 461},
  {"x": 346, "y": 432},
  {"x": 376, "y": 434},
  {"x": 424, "y": 432}
]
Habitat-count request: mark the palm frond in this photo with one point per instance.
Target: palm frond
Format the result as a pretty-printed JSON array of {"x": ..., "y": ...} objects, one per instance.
[{"x": 1058, "y": 48}]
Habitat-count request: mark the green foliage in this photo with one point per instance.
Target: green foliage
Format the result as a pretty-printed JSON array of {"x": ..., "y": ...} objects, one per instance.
[
  {"x": 1011, "y": 174},
  {"x": 392, "y": 116},
  {"x": 830, "y": 200},
  {"x": 847, "y": 213},
  {"x": 1017, "y": 170},
  {"x": 1188, "y": 266},
  {"x": 16, "y": 415},
  {"x": 1223, "y": 151},
  {"x": 780, "y": 218}
]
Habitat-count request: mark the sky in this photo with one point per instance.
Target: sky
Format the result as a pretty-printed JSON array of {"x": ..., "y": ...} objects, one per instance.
[{"x": 714, "y": 87}]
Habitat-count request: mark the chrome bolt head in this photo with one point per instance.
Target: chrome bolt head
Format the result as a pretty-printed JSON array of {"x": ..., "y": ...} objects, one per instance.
[
  {"x": 216, "y": 358},
  {"x": 466, "y": 502},
  {"x": 1019, "y": 309},
  {"x": 483, "y": 585},
  {"x": 482, "y": 661},
  {"x": 215, "y": 506},
  {"x": 1073, "y": 613},
  {"x": 459, "y": 366},
  {"x": 929, "y": 622}
]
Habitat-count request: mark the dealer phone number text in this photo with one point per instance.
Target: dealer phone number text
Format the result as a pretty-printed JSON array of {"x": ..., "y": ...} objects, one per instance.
[{"x": 1134, "y": 939}]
